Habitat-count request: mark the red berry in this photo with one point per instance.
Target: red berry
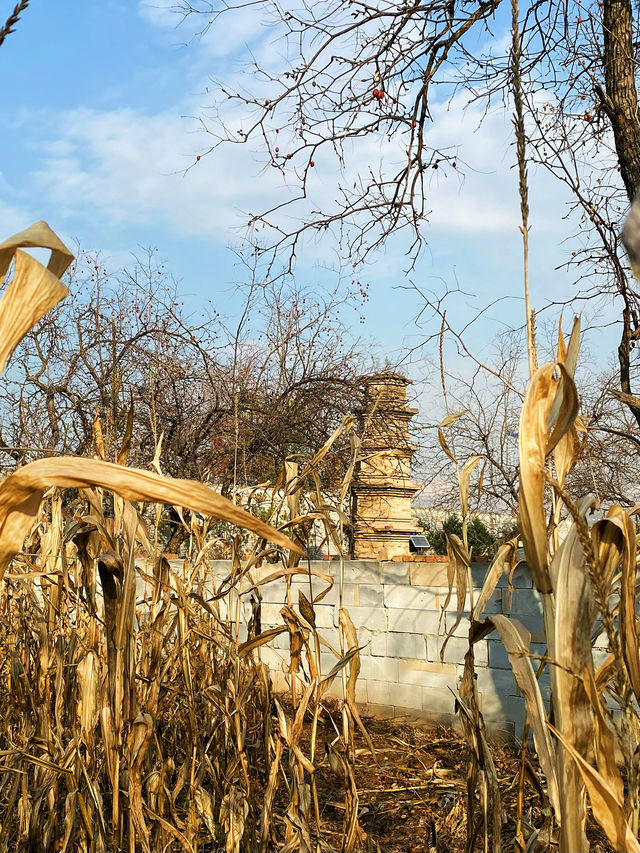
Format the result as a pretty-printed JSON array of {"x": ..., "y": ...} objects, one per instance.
[
  {"x": 277, "y": 149},
  {"x": 288, "y": 156},
  {"x": 579, "y": 20},
  {"x": 314, "y": 83},
  {"x": 454, "y": 164},
  {"x": 312, "y": 163},
  {"x": 266, "y": 103},
  {"x": 197, "y": 156},
  {"x": 376, "y": 93},
  {"x": 587, "y": 116},
  {"x": 415, "y": 123},
  {"x": 304, "y": 121},
  {"x": 380, "y": 95}
]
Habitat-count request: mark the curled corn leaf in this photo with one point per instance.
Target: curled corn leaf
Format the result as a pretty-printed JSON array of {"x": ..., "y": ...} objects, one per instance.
[
  {"x": 543, "y": 422},
  {"x": 32, "y": 291},
  {"x": 607, "y": 809},
  {"x": 21, "y": 494}
]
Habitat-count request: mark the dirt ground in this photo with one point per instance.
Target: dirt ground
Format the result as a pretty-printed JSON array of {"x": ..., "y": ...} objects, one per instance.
[{"x": 412, "y": 798}]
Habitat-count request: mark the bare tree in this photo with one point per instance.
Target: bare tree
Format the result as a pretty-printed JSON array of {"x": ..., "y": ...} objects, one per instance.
[
  {"x": 231, "y": 401},
  {"x": 360, "y": 72}
]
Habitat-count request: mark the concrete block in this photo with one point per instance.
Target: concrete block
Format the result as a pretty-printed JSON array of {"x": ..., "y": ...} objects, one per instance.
[
  {"x": 279, "y": 681},
  {"x": 274, "y": 593},
  {"x": 526, "y": 606},
  {"x": 412, "y": 621},
  {"x": 378, "y": 645},
  {"x": 499, "y": 681},
  {"x": 369, "y": 595},
  {"x": 364, "y": 641},
  {"x": 379, "y": 669},
  {"x": 335, "y": 690},
  {"x": 437, "y": 700},
  {"x": 380, "y": 712},
  {"x": 411, "y": 598},
  {"x": 456, "y": 650},
  {"x": 461, "y": 629},
  {"x": 427, "y": 674},
  {"x": 355, "y": 571},
  {"x": 400, "y": 645},
  {"x": 390, "y": 693},
  {"x": 281, "y": 641},
  {"x": 502, "y": 708},
  {"x": 499, "y": 659},
  {"x": 521, "y": 578},
  {"x": 394, "y": 573},
  {"x": 273, "y": 658},
  {"x": 270, "y": 615},
  {"x": 325, "y": 615},
  {"x": 494, "y": 605},
  {"x": 428, "y": 574},
  {"x": 373, "y": 618}
]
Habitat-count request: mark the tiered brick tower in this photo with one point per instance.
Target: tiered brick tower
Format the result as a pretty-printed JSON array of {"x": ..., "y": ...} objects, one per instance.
[{"x": 383, "y": 487}]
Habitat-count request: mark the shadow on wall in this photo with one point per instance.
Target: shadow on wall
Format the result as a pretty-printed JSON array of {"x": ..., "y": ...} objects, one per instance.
[{"x": 397, "y": 610}]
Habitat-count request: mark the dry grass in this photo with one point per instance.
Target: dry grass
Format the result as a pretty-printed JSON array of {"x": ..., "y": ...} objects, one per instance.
[{"x": 136, "y": 720}]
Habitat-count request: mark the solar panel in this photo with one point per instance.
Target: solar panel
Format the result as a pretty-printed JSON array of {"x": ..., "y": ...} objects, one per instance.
[{"x": 419, "y": 540}]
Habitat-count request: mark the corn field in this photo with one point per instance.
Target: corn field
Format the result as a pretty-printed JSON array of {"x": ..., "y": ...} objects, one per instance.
[{"x": 136, "y": 715}]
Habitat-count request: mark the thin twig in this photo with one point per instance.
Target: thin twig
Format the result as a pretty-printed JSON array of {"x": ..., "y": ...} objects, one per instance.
[{"x": 13, "y": 19}]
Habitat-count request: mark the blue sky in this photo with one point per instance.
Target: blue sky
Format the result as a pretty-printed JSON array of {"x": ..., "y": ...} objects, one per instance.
[{"x": 99, "y": 122}]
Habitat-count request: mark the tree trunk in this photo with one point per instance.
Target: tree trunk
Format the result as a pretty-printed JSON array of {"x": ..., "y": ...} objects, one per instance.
[{"x": 621, "y": 101}]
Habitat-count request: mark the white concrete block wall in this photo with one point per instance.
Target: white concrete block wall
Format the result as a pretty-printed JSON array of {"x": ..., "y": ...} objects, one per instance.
[{"x": 396, "y": 609}]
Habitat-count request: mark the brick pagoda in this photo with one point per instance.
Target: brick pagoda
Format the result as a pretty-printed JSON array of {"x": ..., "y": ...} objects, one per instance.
[{"x": 383, "y": 487}]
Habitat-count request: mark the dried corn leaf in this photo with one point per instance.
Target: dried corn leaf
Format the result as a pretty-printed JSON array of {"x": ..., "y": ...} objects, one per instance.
[
  {"x": 36, "y": 236},
  {"x": 445, "y": 446},
  {"x": 571, "y": 646},
  {"x": 516, "y": 640},
  {"x": 460, "y": 559},
  {"x": 464, "y": 476},
  {"x": 543, "y": 422},
  {"x": 22, "y": 491},
  {"x": 607, "y": 809},
  {"x": 32, "y": 292},
  {"x": 502, "y": 563},
  {"x": 449, "y": 419},
  {"x": 629, "y": 636},
  {"x": 125, "y": 448},
  {"x": 259, "y": 640},
  {"x": 351, "y": 637},
  {"x": 604, "y": 740},
  {"x": 88, "y": 675}
]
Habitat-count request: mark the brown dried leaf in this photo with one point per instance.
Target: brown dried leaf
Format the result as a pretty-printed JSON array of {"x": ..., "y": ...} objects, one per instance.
[
  {"x": 549, "y": 410},
  {"x": 464, "y": 476},
  {"x": 445, "y": 446},
  {"x": 32, "y": 292},
  {"x": 259, "y": 640},
  {"x": 607, "y": 809},
  {"x": 516, "y": 640},
  {"x": 21, "y": 494},
  {"x": 449, "y": 419},
  {"x": 502, "y": 563}
]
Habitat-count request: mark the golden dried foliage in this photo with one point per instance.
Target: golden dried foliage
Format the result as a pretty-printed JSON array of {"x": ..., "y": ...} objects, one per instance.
[{"x": 134, "y": 715}]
